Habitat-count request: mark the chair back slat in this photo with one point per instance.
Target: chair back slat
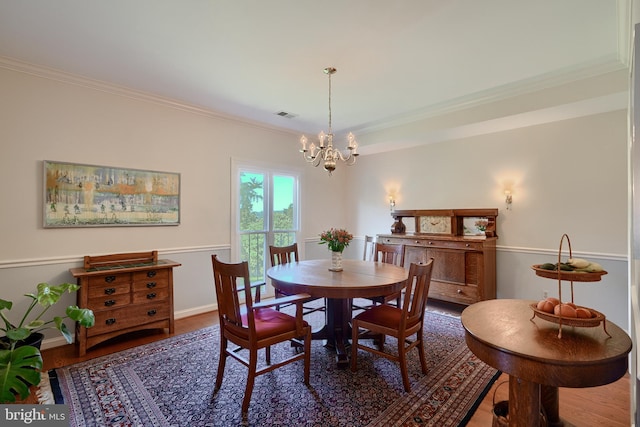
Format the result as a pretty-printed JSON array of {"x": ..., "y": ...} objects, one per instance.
[
  {"x": 417, "y": 292},
  {"x": 390, "y": 254},
  {"x": 283, "y": 254},
  {"x": 227, "y": 279}
]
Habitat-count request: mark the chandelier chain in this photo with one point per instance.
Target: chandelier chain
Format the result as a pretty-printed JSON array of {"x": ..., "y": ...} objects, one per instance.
[{"x": 330, "y": 131}]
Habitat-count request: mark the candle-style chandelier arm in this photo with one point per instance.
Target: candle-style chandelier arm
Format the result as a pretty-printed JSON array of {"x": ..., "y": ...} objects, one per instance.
[{"x": 327, "y": 154}]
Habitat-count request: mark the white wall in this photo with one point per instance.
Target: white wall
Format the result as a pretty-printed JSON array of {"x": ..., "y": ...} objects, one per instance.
[{"x": 568, "y": 177}]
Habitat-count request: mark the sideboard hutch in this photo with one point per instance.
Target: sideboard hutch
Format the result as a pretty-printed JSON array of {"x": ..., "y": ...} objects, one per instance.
[
  {"x": 127, "y": 292},
  {"x": 462, "y": 243}
]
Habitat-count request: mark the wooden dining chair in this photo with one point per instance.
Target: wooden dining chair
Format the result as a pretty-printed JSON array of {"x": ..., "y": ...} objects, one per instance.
[
  {"x": 283, "y": 255},
  {"x": 390, "y": 254},
  {"x": 254, "y": 326},
  {"x": 399, "y": 322},
  {"x": 367, "y": 254}
]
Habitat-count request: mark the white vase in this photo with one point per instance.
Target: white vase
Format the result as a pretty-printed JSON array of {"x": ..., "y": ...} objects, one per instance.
[{"x": 336, "y": 261}]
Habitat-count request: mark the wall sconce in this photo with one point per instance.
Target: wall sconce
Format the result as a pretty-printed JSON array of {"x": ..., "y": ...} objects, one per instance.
[
  {"x": 392, "y": 204},
  {"x": 508, "y": 198}
]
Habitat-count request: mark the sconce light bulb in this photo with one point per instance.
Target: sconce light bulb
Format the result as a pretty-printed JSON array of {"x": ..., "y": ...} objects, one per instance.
[{"x": 508, "y": 198}]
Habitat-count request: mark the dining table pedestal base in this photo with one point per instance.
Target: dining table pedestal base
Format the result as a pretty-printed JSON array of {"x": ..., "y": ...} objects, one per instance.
[
  {"x": 337, "y": 330},
  {"x": 525, "y": 402}
]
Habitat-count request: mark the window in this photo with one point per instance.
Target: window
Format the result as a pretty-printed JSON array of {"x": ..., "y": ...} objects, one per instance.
[{"x": 265, "y": 205}]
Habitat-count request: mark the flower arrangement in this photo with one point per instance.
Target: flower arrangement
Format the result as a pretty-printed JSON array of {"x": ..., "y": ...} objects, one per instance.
[
  {"x": 336, "y": 239},
  {"x": 481, "y": 224}
]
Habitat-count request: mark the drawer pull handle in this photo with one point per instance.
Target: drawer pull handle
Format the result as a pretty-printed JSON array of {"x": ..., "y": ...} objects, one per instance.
[
  {"x": 417, "y": 242},
  {"x": 151, "y": 285},
  {"x": 151, "y": 312},
  {"x": 468, "y": 245},
  {"x": 152, "y": 295},
  {"x": 110, "y": 279},
  {"x": 151, "y": 273},
  {"x": 110, "y": 321},
  {"x": 459, "y": 291},
  {"x": 110, "y": 291},
  {"x": 110, "y": 302},
  {"x": 431, "y": 243}
]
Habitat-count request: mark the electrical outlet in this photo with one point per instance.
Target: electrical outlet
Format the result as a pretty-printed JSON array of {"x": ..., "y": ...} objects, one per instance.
[{"x": 545, "y": 294}]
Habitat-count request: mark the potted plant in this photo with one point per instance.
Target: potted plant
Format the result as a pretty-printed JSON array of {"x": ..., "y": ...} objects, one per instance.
[{"x": 20, "y": 358}]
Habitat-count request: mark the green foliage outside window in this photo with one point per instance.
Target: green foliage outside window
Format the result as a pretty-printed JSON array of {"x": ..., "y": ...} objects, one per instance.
[{"x": 253, "y": 247}]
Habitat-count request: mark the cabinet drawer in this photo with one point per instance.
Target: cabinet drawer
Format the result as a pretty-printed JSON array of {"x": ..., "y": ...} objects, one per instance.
[
  {"x": 395, "y": 240},
  {"x": 110, "y": 302},
  {"x": 115, "y": 320},
  {"x": 109, "y": 279},
  {"x": 462, "y": 294},
  {"x": 151, "y": 295},
  {"x": 150, "y": 285},
  {"x": 108, "y": 290},
  {"x": 435, "y": 243},
  {"x": 157, "y": 275}
]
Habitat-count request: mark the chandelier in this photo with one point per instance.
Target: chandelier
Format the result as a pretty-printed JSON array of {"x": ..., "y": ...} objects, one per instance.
[{"x": 324, "y": 152}]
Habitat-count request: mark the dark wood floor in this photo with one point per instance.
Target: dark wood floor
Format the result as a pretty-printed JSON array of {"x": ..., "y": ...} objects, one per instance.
[{"x": 597, "y": 406}]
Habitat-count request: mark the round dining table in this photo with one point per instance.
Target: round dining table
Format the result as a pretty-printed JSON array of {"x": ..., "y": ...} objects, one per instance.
[
  {"x": 358, "y": 279},
  {"x": 504, "y": 334}
]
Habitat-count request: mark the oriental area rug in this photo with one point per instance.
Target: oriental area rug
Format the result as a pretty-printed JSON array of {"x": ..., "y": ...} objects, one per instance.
[{"x": 170, "y": 383}]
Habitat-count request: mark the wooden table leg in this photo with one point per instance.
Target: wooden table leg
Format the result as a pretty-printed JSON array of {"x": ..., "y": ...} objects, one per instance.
[
  {"x": 550, "y": 400},
  {"x": 524, "y": 403}
]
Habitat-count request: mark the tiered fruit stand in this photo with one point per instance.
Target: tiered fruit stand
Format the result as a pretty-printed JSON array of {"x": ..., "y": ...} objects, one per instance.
[{"x": 569, "y": 276}]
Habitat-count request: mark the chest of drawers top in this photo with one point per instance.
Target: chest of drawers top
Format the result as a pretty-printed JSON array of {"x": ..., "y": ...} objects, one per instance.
[{"x": 105, "y": 265}]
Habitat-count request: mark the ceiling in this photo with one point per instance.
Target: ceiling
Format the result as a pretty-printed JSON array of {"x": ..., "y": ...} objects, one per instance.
[{"x": 255, "y": 58}]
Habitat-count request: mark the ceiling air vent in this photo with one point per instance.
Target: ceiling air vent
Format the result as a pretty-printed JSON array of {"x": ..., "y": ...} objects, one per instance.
[{"x": 285, "y": 114}]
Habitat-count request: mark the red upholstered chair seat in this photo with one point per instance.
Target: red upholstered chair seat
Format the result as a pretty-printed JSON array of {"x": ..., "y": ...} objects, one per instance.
[
  {"x": 383, "y": 315},
  {"x": 270, "y": 322}
]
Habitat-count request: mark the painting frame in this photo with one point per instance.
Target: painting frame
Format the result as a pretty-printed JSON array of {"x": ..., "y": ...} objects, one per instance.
[{"x": 88, "y": 195}]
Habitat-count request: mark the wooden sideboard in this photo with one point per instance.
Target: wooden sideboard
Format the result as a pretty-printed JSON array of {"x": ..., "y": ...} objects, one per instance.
[
  {"x": 464, "y": 267},
  {"x": 127, "y": 292}
]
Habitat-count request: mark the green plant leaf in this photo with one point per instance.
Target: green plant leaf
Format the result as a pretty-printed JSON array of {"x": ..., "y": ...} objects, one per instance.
[
  {"x": 35, "y": 324},
  {"x": 64, "y": 330},
  {"x": 4, "y": 304},
  {"x": 49, "y": 295},
  {"x": 18, "y": 334},
  {"x": 19, "y": 369},
  {"x": 84, "y": 316}
]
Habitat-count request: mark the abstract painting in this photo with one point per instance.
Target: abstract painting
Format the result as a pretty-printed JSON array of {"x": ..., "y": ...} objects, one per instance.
[{"x": 79, "y": 195}]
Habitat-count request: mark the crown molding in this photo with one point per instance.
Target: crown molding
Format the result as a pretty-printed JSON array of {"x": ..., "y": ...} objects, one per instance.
[
  {"x": 69, "y": 78},
  {"x": 603, "y": 104},
  {"x": 596, "y": 68}
]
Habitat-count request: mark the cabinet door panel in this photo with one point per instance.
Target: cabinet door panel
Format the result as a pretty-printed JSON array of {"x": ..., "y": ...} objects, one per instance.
[
  {"x": 413, "y": 254},
  {"x": 448, "y": 265}
]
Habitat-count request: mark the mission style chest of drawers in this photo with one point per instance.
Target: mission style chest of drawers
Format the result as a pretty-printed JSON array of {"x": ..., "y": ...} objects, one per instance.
[
  {"x": 127, "y": 292},
  {"x": 462, "y": 243}
]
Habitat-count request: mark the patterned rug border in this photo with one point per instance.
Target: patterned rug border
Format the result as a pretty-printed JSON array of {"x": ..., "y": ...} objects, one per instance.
[
  {"x": 408, "y": 407},
  {"x": 429, "y": 393}
]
